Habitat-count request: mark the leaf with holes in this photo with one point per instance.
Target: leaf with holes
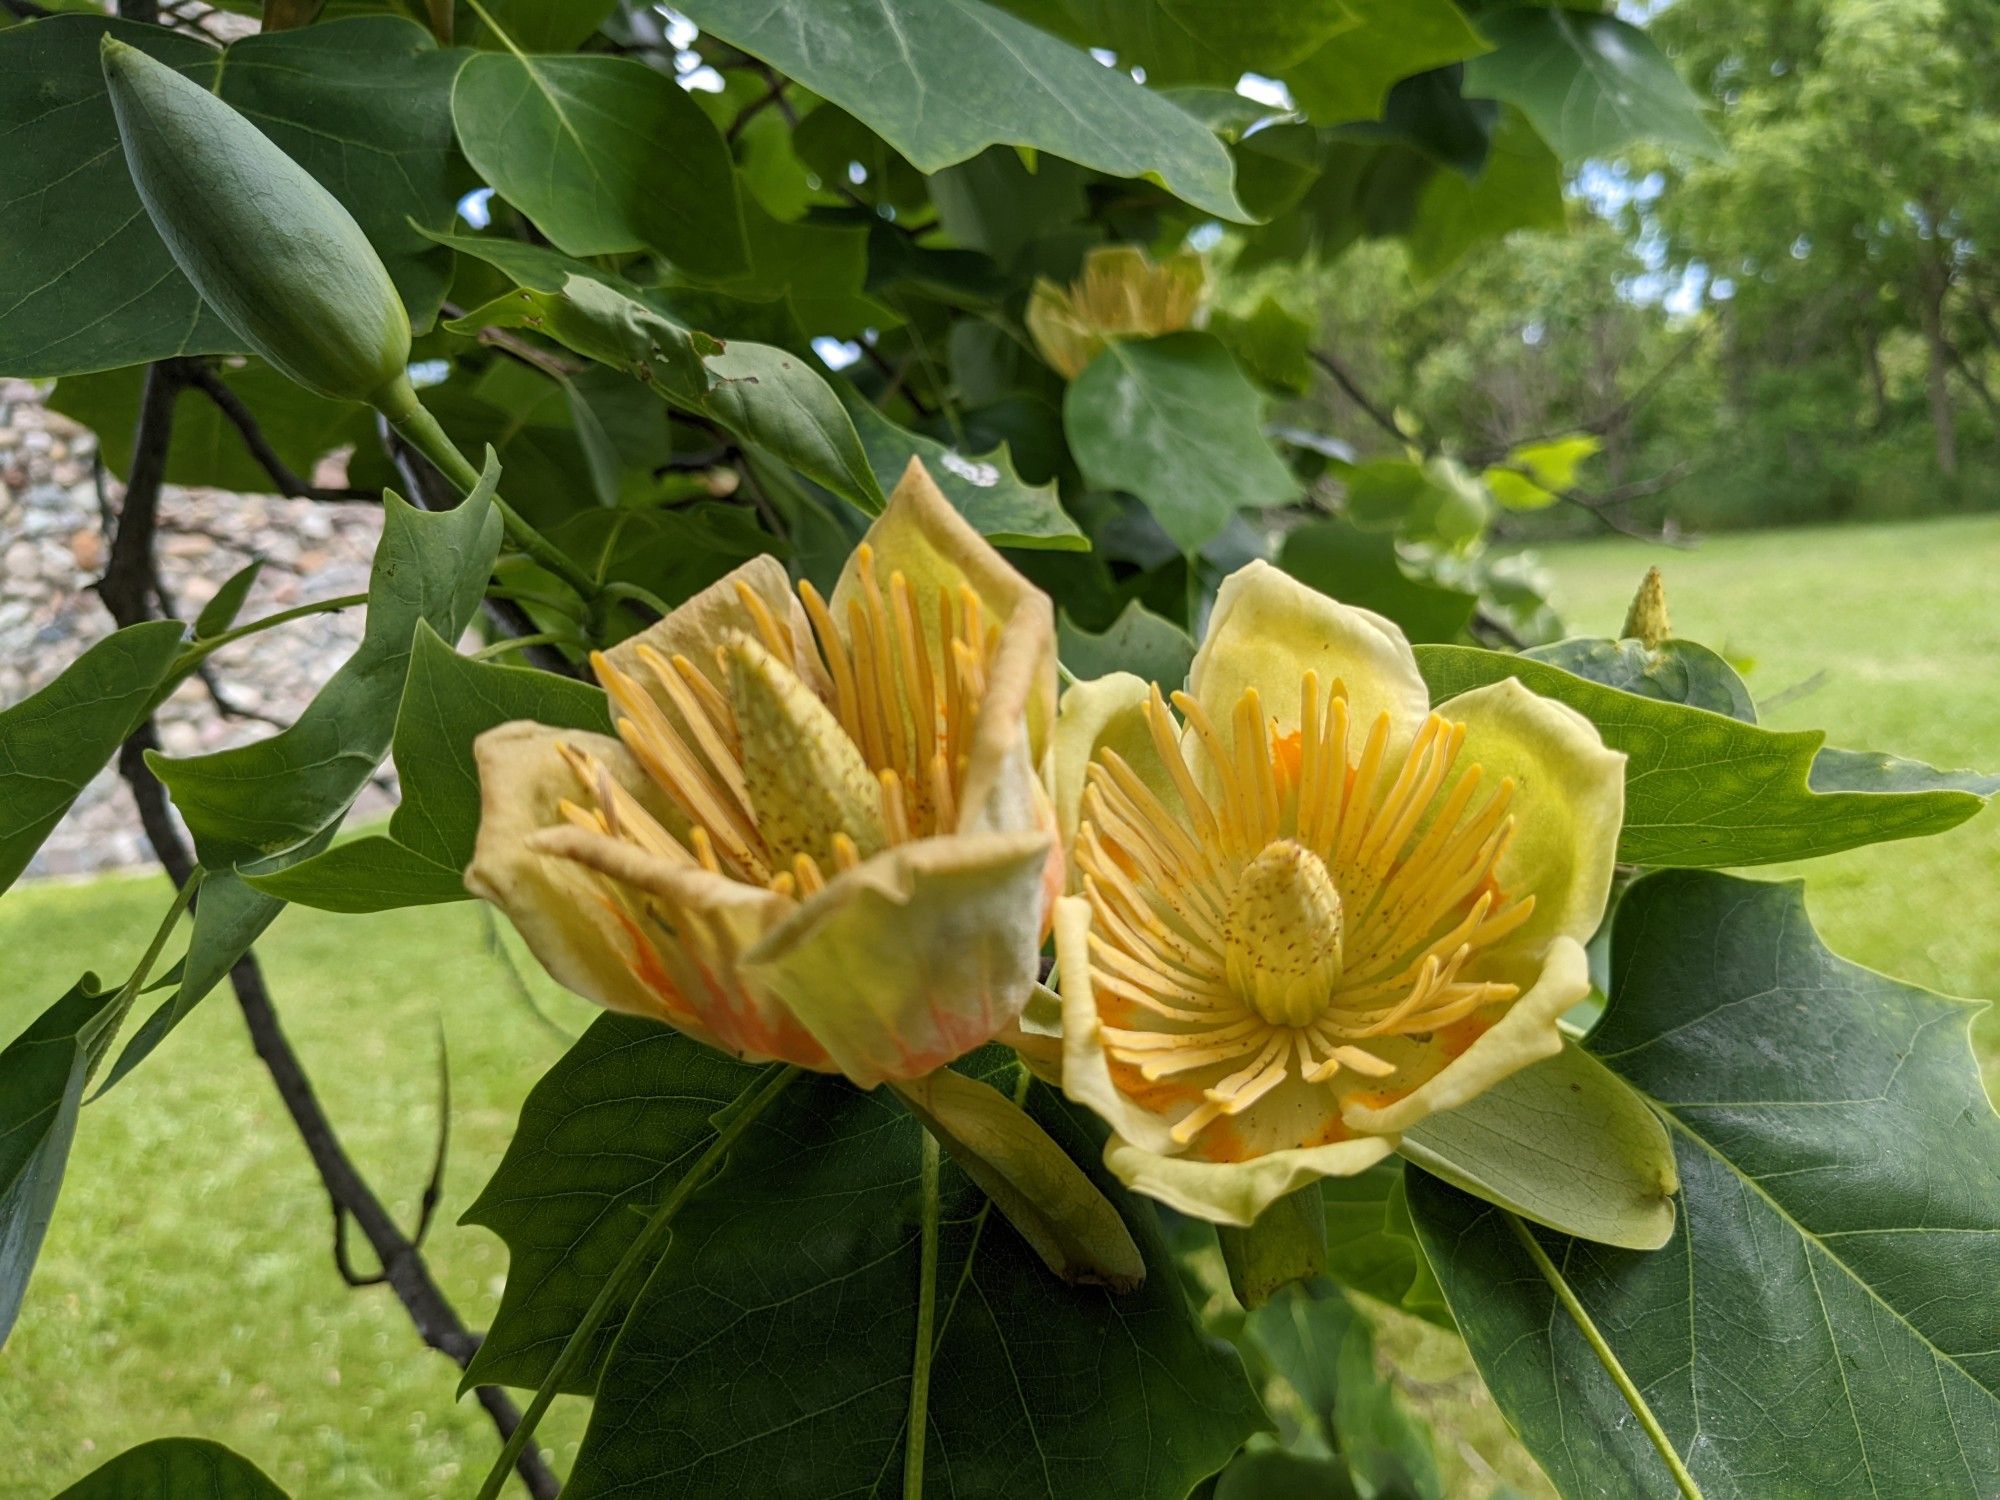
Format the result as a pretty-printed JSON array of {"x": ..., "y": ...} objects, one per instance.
[{"x": 1824, "y": 1316}]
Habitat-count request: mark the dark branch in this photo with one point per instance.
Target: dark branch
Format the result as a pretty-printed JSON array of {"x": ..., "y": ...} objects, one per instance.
[
  {"x": 128, "y": 587},
  {"x": 1351, "y": 388},
  {"x": 289, "y": 484}
]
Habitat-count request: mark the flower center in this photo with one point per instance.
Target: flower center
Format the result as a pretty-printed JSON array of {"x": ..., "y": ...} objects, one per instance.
[
  {"x": 1281, "y": 936},
  {"x": 776, "y": 784},
  {"x": 1319, "y": 903}
]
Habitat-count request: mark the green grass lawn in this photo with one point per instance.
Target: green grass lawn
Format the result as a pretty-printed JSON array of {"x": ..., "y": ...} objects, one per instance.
[{"x": 187, "y": 1284}]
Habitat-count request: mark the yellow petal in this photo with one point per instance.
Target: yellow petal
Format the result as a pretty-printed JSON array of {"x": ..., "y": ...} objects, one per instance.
[
  {"x": 715, "y": 920},
  {"x": 1237, "y": 1192},
  {"x": 1106, "y": 713},
  {"x": 921, "y": 535},
  {"x": 1268, "y": 630},
  {"x": 1526, "y": 1032},
  {"x": 1569, "y": 802},
  {"x": 555, "y": 904},
  {"x": 1086, "y": 1068},
  {"x": 915, "y": 957},
  {"x": 707, "y": 619}
]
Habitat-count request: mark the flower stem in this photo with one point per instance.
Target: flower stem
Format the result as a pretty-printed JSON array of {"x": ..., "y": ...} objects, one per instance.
[
  {"x": 200, "y": 650},
  {"x": 414, "y": 423},
  {"x": 920, "y": 1368},
  {"x": 1650, "y": 1424},
  {"x": 113, "y": 1016},
  {"x": 750, "y": 1104}
]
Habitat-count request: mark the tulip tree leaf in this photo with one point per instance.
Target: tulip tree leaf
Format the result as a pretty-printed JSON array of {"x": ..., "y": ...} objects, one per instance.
[
  {"x": 605, "y": 155},
  {"x": 1825, "y": 1310},
  {"x": 1138, "y": 641},
  {"x": 258, "y": 808},
  {"x": 448, "y": 701},
  {"x": 1681, "y": 672},
  {"x": 1371, "y": 1245},
  {"x": 1871, "y": 771},
  {"x": 1520, "y": 187},
  {"x": 1349, "y": 77},
  {"x": 362, "y": 103},
  {"x": 172, "y": 1468},
  {"x": 53, "y": 741},
  {"x": 1590, "y": 82},
  {"x": 765, "y": 395},
  {"x": 941, "y": 80},
  {"x": 1703, "y": 791},
  {"x": 808, "y": 1241},
  {"x": 1564, "y": 1142},
  {"x": 42, "y": 1077},
  {"x": 1173, "y": 421},
  {"x": 984, "y": 488},
  {"x": 1362, "y": 568}
]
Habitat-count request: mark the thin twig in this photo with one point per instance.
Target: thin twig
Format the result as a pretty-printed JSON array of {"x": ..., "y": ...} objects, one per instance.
[
  {"x": 1344, "y": 378},
  {"x": 239, "y": 416}
]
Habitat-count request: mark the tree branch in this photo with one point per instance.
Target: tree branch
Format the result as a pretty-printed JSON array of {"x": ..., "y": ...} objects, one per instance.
[
  {"x": 126, "y": 588},
  {"x": 211, "y": 385},
  {"x": 1351, "y": 388}
]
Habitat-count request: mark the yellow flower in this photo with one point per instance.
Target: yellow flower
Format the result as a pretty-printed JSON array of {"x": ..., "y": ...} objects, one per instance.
[
  {"x": 821, "y": 835},
  {"x": 1121, "y": 294},
  {"x": 1312, "y": 911}
]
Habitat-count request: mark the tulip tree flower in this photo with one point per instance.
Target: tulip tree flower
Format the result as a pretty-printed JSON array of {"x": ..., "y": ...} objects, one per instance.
[
  {"x": 821, "y": 835},
  {"x": 1120, "y": 294},
  {"x": 1312, "y": 911}
]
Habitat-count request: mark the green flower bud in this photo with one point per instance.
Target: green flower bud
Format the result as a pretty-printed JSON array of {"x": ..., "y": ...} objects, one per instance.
[{"x": 274, "y": 253}]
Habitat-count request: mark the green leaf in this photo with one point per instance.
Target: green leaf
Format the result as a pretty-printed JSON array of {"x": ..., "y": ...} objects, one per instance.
[
  {"x": 227, "y": 601},
  {"x": 1323, "y": 1348},
  {"x": 206, "y": 449},
  {"x": 448, "y": 701},
  {"x": 605, "y": 155},
  {"x": 1826, "y": 1311},
  {"x": 175, "y": 1469},
  {"x": 1273, "y": 341},
  {"x": 602, "y": 1138},
  {"x": 807, "y": 1242},
  {"x": 1871, "y": 771},
  {"x": 1372, "y": 1245},
  {"x": 266, "y": 805},
  {"x": 1705, "y": 791},
  {"x": 537, "y": 25},
  {"x": 1178, "y": 41},
  {"x": 775, "y": 398},
  {"x": 1591, "y": 83},
  {"x": 1173, "y": 421},
  {"x": 1674, "y": 671},
  {"x": 941, "y": 80},
  {"x": 1520, "y": 187},
  {"x": 276, "y": 794},
  {"x": 53, "y": 741},
  {"x": 1279, "y": 1474},
  {"x": 984, "y": 488},
  {"x": 1359, "y": 567},
  {"x": 42, "y": 1077},
  {"x": 765, "y": 395},
  {"x": 362, "y": 103},
  {"x": 1350, "y": 77},
  {"x": 1564, "y": 1143},
  {"x": 1138, "y": 641}
]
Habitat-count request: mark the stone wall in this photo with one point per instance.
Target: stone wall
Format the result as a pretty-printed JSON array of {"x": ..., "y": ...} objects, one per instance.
[{"x": 52, "y": 550}]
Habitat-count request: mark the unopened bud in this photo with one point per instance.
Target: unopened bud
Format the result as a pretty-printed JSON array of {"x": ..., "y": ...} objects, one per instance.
[
  {"x": 276, "y": 255},
  {"x": 1646, "y": 621}
]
